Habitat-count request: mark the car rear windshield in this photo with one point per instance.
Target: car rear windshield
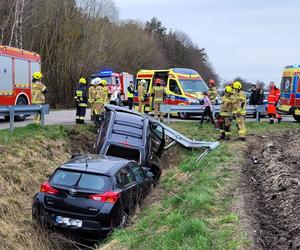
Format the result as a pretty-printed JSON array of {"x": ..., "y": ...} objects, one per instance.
[
  {"x": 84, "y": 181},
  {"x": 123, "y": 152}
]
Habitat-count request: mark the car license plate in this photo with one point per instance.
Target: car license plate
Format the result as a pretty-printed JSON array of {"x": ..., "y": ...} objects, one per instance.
[{"x": 68, "y": 221}]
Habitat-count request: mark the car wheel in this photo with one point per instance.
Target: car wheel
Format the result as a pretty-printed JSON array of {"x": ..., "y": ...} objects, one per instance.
[
  {"x": 21, "y": 101},
  {"x": 183, "y": 115},
  {"x": 297, "y": 117}
]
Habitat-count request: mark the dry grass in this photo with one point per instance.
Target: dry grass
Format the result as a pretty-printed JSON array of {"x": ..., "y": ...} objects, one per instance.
[{"x": 23, "y": 167}]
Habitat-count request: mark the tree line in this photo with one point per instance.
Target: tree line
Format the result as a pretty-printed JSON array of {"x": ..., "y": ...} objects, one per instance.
[{"x": 76, "y": 38}]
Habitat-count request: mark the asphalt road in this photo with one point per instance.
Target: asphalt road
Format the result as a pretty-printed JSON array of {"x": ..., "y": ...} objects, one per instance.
[{"x": 67, "y": 117}]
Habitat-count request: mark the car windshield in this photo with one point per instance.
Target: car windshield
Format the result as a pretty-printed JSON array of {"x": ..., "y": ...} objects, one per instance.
[
  {"x": 193, "y": 85},
  {"x": 84, "y": 181}
]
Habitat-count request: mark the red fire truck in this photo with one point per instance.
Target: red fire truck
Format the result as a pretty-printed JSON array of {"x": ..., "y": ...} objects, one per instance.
[
  {"x": 117, "y": 83},
  {"x": 16, "y": 69}
]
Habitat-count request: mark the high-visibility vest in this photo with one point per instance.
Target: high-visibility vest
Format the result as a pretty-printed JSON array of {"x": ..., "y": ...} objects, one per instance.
[
  {"x": 158, "y": 93},
  {"x": 37, "y": 89},
  {"x": 129, "y": 94}
]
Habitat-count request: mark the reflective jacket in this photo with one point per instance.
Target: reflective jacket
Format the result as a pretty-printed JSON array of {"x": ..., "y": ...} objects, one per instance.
[
  {"x": 130, "y": 91},
  {"x": 158, "y": 92},
  {"x": 98, "y": 95},
  {"x": 81, "y": 95},
  {"x": 227, "y": 105},
  {"x": 239, "y": 103},
  {"x": 92, "y": 94},
  {"x": 141, "y": 93},
  {"x": 104, "y": 93},
  {"x": 274, "y": 95},
  {"x": 213, "y": 94},
  {"x": 37, "y": 92}
]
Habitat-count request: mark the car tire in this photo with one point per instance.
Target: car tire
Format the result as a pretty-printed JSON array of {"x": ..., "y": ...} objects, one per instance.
[
  {"x": 21, "y": 101},
  {"x": 183, "y": 115},
  {"x": 297, "y": 117}
]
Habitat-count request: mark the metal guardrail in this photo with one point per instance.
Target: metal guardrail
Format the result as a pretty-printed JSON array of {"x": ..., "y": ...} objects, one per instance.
[
  {"x": 168, "y": 109},
  {"x": 25, "y": 110}
]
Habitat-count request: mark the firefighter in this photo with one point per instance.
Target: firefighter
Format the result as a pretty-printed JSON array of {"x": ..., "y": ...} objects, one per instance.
[
  {"x": 141, "y": 95},
  {"x": 239, "y": 109},
  {"x": 212, "y": 91},
  {"x": 273, "y": 99},
  {"x": 92, "y": 96},
  {"x": 38, "y": 91},
  {"x": 226, "y": 112},
  {"x": 130, "y": 94},
  {"x": 81, "y": 97},
  {"x": 104, "y": 92},
  {"x": 158, "y": 98}
]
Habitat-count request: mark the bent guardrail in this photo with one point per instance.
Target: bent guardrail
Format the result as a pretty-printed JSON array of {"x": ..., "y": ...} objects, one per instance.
[
  {"x": 168, "y": 109},
  {"x": 25, "y": 110}
]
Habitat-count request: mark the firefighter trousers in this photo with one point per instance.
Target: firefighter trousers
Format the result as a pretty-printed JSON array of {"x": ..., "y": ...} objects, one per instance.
[
  {"x": 157, "y": 110},
  {"x": 80, "y": 112},
  {"x": 240, "y": 123},
  {"x": 141, "y": 106},
  {"x": 225, "y": 132},
  {"x": 130, "y": 103}
]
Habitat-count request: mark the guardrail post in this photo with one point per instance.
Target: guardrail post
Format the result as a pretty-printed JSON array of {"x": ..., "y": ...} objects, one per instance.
[
  {"x": 11, "y": 118},
  {"x": 257, "y": 114},
  {"x": 42, "y": 115},
  {"x": 168, "y": 117}
]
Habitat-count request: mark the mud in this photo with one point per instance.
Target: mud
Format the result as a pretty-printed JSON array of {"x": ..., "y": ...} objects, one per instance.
[{"x": 271, "y": 179}]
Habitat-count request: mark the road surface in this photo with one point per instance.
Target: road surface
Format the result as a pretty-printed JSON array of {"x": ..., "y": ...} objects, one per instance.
[{"x": 67, "y": 117}]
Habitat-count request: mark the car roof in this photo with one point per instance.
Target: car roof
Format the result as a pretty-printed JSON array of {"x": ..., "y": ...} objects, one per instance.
[{"x": 94, "y": 163}]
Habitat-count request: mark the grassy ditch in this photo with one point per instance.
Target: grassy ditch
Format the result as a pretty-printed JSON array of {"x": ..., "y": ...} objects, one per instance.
[
  {"x": 195, "y": 204},
  {"x": 27, "y": 158}
]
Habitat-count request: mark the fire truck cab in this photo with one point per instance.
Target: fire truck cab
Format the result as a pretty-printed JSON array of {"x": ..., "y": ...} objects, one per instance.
[
  {"x": 117, "y": 83},
  {"x": 16, "y": 69},
  {"x": 290, "y": 91}
]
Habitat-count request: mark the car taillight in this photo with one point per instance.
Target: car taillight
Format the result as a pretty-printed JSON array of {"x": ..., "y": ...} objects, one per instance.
[
  {"x": 46, "y": 188},
  {"x": 110, "y": 196}
]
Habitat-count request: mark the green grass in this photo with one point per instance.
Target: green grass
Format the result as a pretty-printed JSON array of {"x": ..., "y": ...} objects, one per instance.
[
  {"x": 37, "y": 132},
  {"x": 194, "y": 212}
]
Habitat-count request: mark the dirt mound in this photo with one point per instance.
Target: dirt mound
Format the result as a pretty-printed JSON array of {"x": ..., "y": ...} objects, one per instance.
[{"x": 273, "y": 177}]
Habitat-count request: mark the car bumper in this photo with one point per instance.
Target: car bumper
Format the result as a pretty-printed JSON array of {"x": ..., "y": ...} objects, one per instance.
[{"x": 88, "y": 225}]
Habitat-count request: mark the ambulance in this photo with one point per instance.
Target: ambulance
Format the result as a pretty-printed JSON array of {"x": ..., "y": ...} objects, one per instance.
[
  {"x": 290, "y": 91},
  {"x": 183, "y": 87}
]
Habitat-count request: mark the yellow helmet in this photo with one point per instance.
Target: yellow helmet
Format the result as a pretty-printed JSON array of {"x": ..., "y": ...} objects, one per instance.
[
  {"x": 103, "y": 82},
  {"x": 37, "y": 75},
  {"x": 228, "y": 89},
  {"x": 237, "y": 85},
  {"x": 82, "y": 80}
]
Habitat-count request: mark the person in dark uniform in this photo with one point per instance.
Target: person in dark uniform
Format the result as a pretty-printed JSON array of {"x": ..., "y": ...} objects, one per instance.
[{"x": 81, "y": 97}]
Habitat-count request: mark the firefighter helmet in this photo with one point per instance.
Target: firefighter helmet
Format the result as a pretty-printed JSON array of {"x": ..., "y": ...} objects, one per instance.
[
  {"x": 228, "y": 89},
  {"x": 82, "y": 80},
  {"x": 212, "y": 82},
  {"x": 142, "y": 82},
  {"x": 103, "y": 82},
  {"x": 237, "y": 85},
  {"x": 37, "y": 75}
]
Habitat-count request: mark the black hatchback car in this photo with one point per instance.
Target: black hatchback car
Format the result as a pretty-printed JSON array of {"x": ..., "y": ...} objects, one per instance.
[{"x": 91, "y": 193}]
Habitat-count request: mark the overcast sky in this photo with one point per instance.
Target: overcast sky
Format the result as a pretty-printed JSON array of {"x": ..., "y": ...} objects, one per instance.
[{"x": 253, "y": 39}]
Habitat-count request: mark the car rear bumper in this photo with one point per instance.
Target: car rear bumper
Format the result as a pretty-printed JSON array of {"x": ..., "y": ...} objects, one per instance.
[{"x": 88, "y": 225}]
